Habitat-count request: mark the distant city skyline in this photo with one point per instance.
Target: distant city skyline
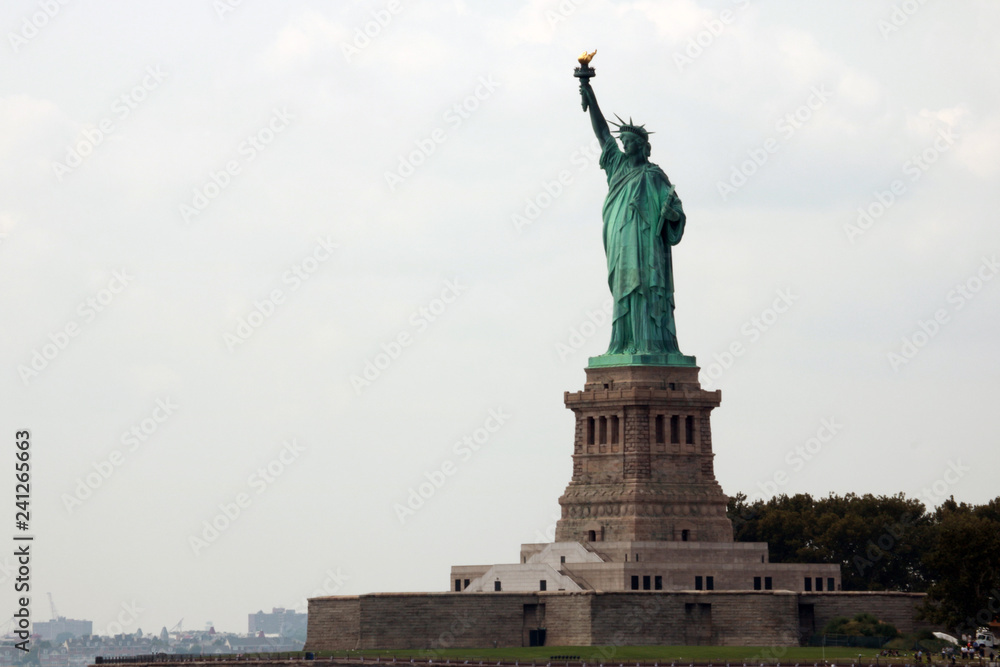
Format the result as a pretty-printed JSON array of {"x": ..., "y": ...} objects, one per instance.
[{"x": 80, "y": 651}]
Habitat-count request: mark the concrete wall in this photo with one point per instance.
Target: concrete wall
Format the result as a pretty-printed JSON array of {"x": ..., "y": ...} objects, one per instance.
[
  {"x": 522, "y": 578},
  {"x": 681, "y": 576},
  {"x": 466, "y": 572},
  {"x": 732, "y": 566}
]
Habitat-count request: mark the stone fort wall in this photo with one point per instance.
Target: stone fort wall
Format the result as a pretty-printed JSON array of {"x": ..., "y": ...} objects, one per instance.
[
  {"x": 431, "y": 621},
  {"x": 900, "y": 609}
]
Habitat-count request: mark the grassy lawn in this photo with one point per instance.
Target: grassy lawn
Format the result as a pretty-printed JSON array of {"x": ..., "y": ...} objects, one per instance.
[{"x": 613, "y": 655}]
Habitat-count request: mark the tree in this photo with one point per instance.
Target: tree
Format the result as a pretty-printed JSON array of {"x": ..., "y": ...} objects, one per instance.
[
  {"x": 875, "y": 539},
  {"x": 878, "y": 540},
  {"x": 888, "y": 543},
  {"x": 964, "y": 562}
]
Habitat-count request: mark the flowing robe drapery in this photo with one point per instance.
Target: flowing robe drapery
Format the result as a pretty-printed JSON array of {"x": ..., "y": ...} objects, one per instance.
[{"x": 643, "y": 218}]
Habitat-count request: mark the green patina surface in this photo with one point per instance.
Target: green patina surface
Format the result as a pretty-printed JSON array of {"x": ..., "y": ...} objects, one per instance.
[
  {"x": 643, "y": 219},
  {"x": 651, "y": 359}
]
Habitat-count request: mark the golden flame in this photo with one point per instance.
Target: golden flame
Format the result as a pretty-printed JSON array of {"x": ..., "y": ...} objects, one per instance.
[{"x": 585, "y": 59}]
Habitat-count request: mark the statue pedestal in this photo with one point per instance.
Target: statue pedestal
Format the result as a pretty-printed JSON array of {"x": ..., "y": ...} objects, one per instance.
[{"x": 642, "y": 458}]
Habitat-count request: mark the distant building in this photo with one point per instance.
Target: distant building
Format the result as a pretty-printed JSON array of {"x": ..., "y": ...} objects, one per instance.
[
  {"x": 282, "y": 622},
  {"x": 57, "y": 657},
  {"x": 82, "y": 651},
  {"x": 49, "y": 630},
  {"x": 9, "y": 653}
]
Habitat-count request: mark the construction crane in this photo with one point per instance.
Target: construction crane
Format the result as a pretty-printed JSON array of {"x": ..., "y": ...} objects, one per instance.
[
  {"x": 177, "y": 628},
  {"x": 52, "y": 603}
]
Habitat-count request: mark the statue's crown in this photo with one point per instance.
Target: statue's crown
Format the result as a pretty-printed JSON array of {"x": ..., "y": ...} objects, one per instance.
[{"x": 631, "y": 128}]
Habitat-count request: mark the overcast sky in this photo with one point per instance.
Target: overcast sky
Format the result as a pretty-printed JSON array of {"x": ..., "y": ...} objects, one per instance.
[{"x": 281, "y": 257}]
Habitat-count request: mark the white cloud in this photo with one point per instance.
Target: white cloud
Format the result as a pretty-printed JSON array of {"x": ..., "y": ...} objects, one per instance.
[
  {"x": 675, "y": 20},
  {"x": 27, "y": 123},
  {"x": 979, "y": 148},
  {"x": 306, "y": 37}
]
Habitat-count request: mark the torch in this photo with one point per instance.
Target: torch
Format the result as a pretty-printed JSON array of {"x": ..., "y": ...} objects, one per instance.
[{"x": 585, "y": 71}]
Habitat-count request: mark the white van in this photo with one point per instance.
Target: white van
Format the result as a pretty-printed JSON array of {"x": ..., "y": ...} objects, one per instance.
[{"x": 986, "y": 638}]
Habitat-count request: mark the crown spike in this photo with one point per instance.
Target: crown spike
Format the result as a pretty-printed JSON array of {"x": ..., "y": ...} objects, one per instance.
[{"x": 631, "y": 128}]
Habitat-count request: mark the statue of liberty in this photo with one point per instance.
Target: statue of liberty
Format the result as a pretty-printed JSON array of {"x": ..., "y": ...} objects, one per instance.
[{"x": 643, "y": 219}]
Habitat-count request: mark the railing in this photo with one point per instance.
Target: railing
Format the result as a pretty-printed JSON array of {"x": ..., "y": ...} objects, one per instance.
[
  {"x": 590, "y": 547},
  {"x": 197, "y": 657},
  {"x": 552, "y": 661}
]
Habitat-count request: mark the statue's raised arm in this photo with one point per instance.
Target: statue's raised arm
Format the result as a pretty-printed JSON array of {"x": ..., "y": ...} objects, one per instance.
[
  {"x": 601, "y": 129},
  {"x": 585, "y": 73}
]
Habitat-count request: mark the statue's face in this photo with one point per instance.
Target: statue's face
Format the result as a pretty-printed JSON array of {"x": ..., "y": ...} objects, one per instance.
[{"x": 633, "y": 144}]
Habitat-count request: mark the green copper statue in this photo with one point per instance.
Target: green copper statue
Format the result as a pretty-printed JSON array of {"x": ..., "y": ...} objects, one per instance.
[{"x": 643, "y": 218}]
